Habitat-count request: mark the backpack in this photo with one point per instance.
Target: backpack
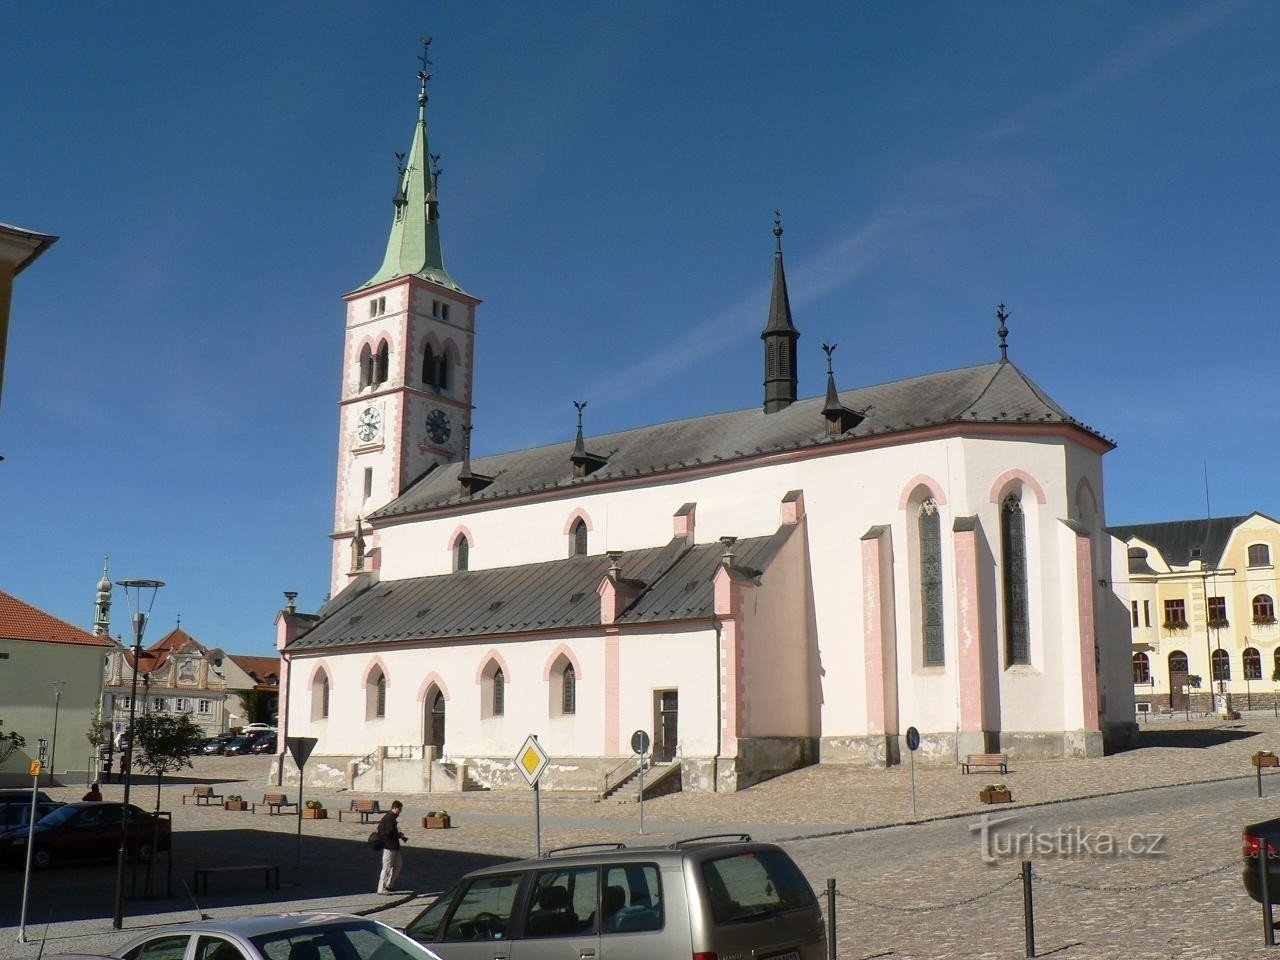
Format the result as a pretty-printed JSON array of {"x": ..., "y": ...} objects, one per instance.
[{"x": 375, "y": 841}]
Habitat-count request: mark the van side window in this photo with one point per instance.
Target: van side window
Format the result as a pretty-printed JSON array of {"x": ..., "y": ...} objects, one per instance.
[
  {"x": 484, "y": 912},
  {"x": 753, "y": 885},
  {"x": 632, "y": 899},
  {"x": 563, "y": 903}
]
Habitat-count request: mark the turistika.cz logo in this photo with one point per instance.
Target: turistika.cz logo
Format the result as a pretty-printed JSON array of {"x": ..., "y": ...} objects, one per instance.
[{"x": 998, "y": 842}]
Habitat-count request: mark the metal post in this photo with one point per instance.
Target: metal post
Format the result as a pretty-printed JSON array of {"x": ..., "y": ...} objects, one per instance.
[
  {"x": 1259, "y": 769},
  {"x": 537, "y": 817},
  {"x": 118, "y": 920},
  {"x": 31, "y": 845},
  {"x": 1028, "y": 909},
  {"x": 53, "y": 744},
  {"x": 1268, "y": 928},
  {"x": 831, "y": 918},
  {"x": 913, "y": 784},
  {"x": 297, "y": 849},
  {"x": 642, "y": 794}
]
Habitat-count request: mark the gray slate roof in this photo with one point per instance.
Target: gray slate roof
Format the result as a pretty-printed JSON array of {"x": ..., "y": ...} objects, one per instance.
[
  {"x": 988, "y": 393},
  {"x": 554, "y": 595},
  {"x": 1175, "y": 538}
]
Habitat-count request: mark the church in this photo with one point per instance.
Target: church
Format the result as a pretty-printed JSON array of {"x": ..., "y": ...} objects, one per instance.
[{"x": 755, "y": 590}]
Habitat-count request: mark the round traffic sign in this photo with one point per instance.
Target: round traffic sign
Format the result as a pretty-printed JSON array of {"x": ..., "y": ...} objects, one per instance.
[
  {"x": 913, "y": 739},
  {"x": 640, "y": 742}
]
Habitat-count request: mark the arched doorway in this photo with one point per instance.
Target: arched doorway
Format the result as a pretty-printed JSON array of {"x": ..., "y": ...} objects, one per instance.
[{"x": 433, "y": 724}]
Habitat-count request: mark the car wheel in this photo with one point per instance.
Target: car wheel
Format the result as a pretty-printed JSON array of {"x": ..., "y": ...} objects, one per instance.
[
  {"x": 42, "y": 858},
  {"x": 144, "y": 851}
]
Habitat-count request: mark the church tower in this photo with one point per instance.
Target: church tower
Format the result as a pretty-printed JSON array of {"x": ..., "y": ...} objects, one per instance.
[
  {"x": 102, "y": 605},
  {"x": 407, "y": 363},
  {"x": 779, "y": 336}
]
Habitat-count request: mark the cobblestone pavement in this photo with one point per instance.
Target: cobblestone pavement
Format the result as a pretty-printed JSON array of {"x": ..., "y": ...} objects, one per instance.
[{"x": 1186, "y": 903}]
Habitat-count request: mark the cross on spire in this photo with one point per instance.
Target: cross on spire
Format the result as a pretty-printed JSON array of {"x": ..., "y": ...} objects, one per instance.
[
  {"x": 423, "y": 74},
  {"x": 1003, "y": 332},
  {"x": 777, "y": 227}
]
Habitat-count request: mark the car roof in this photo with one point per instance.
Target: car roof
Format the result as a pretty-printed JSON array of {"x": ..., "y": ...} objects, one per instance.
[
  {"x": 251, "y": 926},
  {"x": 694, "y": 848}
]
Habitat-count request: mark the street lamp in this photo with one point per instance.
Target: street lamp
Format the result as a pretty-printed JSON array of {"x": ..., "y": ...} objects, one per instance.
[
  {"x": 53, "y": 744},
  {"x": 141, "y": 595}
]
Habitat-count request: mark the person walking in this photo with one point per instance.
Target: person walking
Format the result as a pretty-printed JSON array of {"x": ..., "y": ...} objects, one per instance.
[
  {"x": 93, "y": 794},
  {"x": 391, "y": 837}
]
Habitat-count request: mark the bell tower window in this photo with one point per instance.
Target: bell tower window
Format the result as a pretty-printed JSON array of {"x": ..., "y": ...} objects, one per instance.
[
  {"x": 383, "y": 365},
  {"x": 366, "y": 366}
]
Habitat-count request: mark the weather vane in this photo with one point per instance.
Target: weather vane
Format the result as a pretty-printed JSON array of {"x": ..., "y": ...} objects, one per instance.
[
  {"x": 400, "y": 164},
  {"x": 829, "y": 349},
  {"x": 580, "y": 405},
  {"x": 425, "y": 59},
  {"x": 435, "y": 166},
  {"x": 1003, "y": 332}
]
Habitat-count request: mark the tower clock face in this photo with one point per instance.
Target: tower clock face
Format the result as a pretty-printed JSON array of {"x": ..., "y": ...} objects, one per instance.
[
  {"x": 438, "y": 427},
  {"x": 369, "y": 424}
]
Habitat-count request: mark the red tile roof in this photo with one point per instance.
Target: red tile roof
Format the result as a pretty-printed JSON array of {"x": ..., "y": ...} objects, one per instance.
[
  {"x": 21, "y": 621},
  {"x": 262, "y": 669}
]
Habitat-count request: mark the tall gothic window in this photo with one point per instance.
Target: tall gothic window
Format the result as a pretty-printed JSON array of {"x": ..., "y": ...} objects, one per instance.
[
  {"x": 499, "y": 693},
  {"x": 366, "y": 366},
  {"x": 382, "y": 373},
  {"x": 443, "y": 370},
  {"x": 578, "y": 534},
  {"x": 1013, "y": 544},
  {"x": 428, "y": 366},
  {"x": 461, "y": 553},
  {"x": 569, "y": 691},
  {"x": 931, "y": 583},
  {"x": 320, "y": 697}
]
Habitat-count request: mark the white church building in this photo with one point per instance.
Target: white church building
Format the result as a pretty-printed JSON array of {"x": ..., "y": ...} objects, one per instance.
[{"x": 757, "y": 590}]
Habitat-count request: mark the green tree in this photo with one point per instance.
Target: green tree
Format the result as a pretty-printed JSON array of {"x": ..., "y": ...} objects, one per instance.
[
  {"x": 10, "y": 743},
  {"x": 164, "y": 742}
]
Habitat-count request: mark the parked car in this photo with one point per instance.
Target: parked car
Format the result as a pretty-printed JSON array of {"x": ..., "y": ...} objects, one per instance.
[
  {"x": 216, "y": 745},
  {"x": 13, "y": 815},
  {"x": 265, "y": 743},
  {"x": 236, "y": 745},
  {"x": 1255, "y": 835},
  {"x": 22, "y": 795},
  {"x": 716, "y": 895},
  {"x": 279, "y": 937},
  {"x": 88, "y": 830},
  {"x": 258, "y": 728}
]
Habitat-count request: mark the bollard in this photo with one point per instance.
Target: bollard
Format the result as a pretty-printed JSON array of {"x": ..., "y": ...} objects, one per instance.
[
  {"x": 1028, "y": 909},
  {"x": 1268, "y": 929},
  {"x": 1259, "y": 781},
  {"x": 831, "y": 918}
]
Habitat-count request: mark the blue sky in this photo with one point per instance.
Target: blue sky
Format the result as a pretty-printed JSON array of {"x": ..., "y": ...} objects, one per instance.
[{"x": 219, "y": 179}]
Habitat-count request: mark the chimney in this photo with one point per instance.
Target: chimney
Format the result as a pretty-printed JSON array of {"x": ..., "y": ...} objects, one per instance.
[{"x": 682, "y": 524}]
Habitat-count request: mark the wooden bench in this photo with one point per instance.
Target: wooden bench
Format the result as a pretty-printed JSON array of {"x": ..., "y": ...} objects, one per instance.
[
  {"x": 270, "y": 874},
  {"x": 202, "y": 795},
  {"x": 365, "y": 809},
  {"x": 275, "y": 803},
  {"x": 985, "y": 761}
]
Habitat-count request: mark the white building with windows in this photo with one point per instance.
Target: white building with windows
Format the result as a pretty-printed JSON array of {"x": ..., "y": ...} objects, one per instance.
[
  {"x": 1203, "y": 612},
  {"x": 178, "y": 674},
  {"x": 757, "y": 590}
]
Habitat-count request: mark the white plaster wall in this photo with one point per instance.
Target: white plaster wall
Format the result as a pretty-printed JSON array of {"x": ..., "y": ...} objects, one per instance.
[
  {"x": 845, "y": 495},
  {"x": 654, "y": 659}
]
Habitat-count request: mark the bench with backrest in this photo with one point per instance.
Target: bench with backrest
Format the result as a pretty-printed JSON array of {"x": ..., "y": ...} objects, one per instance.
[
  {"x": 202, "y": 795},
  {"x": 270, "y": 873},
  {"x": 985, "y": 761},
  {"x": 275, "y": 803},
  {"x": 362, "y": 808}
]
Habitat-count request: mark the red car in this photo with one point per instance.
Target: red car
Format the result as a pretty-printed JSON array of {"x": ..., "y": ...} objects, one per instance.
[{"x": 89, "y": 830}]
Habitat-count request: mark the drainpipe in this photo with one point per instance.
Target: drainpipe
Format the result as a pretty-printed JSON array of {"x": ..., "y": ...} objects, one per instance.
[
  {"x": 282, "y": 723},
  {"x": 715, "y": 763}
]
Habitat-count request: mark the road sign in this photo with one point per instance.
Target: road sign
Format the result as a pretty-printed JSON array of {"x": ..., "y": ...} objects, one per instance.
[
  {"x": 34, "y": 768},
  {"x": 300, "y": 748},
  {"x": 531, "y": 760},
  {"x": 913, "y": 738},
  {"x": 640, "y": 742}
]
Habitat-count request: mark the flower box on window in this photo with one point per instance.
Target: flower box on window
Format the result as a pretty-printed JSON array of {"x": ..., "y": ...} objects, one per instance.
[
  {"x": 1175, "y": 624},
  {"x": 1219, "y": 623},
  {"x": 1264, "y": 621}
]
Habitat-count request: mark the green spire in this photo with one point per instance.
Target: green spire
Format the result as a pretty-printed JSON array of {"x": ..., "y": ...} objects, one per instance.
[{"x": 413, "y": 249}]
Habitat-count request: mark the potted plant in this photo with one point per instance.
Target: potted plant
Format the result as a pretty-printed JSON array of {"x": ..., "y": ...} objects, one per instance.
[
  {"x": 235, "y": 802},
  {"x": 436, "y": 820},
  {"x": 1265, "y": 758},
  {"x": 314, "y": 810},
  {"x": 995, "y": 793}
]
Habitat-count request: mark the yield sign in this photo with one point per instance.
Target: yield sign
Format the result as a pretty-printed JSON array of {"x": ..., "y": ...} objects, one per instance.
[
  {"x": 531, "y": 760},
  {"x": 300, "y": 748}
]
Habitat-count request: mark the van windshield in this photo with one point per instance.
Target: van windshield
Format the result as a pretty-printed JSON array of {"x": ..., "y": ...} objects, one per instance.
[{"x": 754, "y": 884}]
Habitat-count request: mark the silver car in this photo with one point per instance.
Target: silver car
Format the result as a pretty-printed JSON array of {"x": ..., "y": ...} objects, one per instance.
[
  {"x": 709, "y": 898},
  {"x": 291, "y": 936}
]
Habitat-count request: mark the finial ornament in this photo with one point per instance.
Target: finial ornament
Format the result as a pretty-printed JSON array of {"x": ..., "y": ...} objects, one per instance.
[
  {"x": 435, "y": 167},
  {"x": 423, "y": 75},
  {"x": 580, "y": 405},
  {"x": 829, "y": 349},
  {"x": 1003, "y": 315},
  {"x": 777, "y": 227}
]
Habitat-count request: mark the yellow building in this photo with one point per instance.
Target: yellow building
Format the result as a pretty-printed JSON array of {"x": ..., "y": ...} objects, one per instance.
[{"x": 1203, "y": 607}]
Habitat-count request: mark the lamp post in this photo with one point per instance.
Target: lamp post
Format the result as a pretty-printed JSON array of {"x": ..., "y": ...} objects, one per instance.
[
  {"x": 140, "y": 594},
  {"x": 53, "y": 744}
]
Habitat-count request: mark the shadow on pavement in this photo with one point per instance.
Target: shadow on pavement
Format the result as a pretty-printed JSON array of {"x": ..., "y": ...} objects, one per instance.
[
  {"x": 330, "y": 867},
  {"x": 1191, "y": 738}
]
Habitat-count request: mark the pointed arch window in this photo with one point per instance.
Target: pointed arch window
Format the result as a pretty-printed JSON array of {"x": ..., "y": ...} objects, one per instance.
[
  {"x": 1013, "y": 551},
  {"x": 376, "y": 695},
  {"x": 929, "y": 527},
  {"x": 499, "y": 694},
  {"x": 578, "y": 538},
  {"x": 428, "y": 366},
  {"x": 461, "y": 554},
  {"x": 383, "y": 365},
  {"x": 444, "y": 370},
  {"x": 320, "y": 697},
  {"x": 568, "y": 691},
  {"x": 366, "y": 366}
]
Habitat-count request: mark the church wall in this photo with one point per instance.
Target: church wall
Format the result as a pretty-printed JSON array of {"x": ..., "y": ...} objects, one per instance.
[{"x": 660, "y": 658}]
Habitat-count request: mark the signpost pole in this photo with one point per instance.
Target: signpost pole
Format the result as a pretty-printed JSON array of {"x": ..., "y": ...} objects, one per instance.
[
  {"x": 299, "y": 748},
  {"x": 640, "y": 746},
  {"x": 913, "y": 744},
  {"x": 537, "y": 819},
  {"x": 642, "y": 794},
  {"x": 31, "y": 844}
]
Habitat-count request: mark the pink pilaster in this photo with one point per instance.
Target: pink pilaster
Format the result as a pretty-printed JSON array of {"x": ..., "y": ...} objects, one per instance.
[
  {"x": 969, "y": 623},
  {"x": 1088, "y": 637},
  {"x": 873, "y": 635},
  {"x": 729, "y": 585},
  {"x": 612, "y": 738}
]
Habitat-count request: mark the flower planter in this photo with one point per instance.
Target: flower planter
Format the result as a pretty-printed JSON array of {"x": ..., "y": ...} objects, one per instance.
[
  {"x": 995, "y": 796},
  {"x": 1265, "y": 760},
  {"x": 436, "y": 823},
  {"x": 236, "y": 804},
  {"x": 315, "y": 813}
]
